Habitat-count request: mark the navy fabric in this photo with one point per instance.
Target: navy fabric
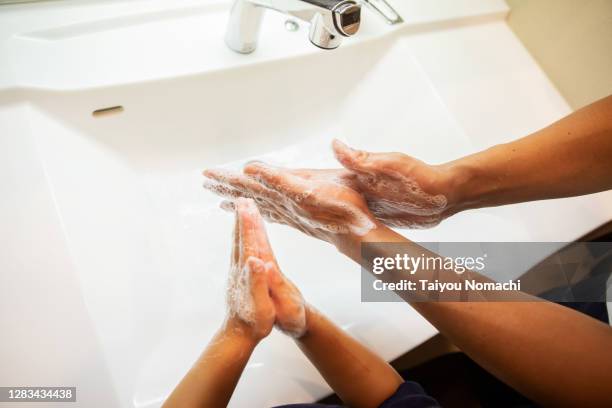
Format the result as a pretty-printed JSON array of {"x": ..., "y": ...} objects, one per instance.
[{"x": 408, "y": 395}]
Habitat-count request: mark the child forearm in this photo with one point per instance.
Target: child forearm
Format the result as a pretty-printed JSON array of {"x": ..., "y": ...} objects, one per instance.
[
  {"x": 359, "y": 377},
  {"x": 212, "y": 379}
]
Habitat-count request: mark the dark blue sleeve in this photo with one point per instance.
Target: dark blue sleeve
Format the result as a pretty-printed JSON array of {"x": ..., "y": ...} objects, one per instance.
[{"x": 408, "y": 395}]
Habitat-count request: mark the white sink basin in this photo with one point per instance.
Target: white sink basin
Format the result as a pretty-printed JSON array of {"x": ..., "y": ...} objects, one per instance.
[{"x": 132, "y": 254}]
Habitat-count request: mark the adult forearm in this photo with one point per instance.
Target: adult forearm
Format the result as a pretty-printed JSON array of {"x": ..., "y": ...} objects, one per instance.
[
  {"x": 552, "y": 354},
  {"x": 536, "y": 347},
  {"x": 571, "y": 157}
]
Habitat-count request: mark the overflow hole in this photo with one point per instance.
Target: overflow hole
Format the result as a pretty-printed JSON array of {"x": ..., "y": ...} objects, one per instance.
[{"x": 111, "y": 110}]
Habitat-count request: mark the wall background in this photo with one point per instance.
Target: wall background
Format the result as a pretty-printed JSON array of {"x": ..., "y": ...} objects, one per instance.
[{"x": 572, "y": 41}]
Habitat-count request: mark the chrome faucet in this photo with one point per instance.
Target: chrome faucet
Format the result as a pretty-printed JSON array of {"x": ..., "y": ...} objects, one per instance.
[
  {"x": 330, "y": 21},
  {"x": 384, "y": 9}
]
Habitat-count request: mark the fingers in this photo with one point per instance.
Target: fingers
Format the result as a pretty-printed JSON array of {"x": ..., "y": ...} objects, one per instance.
[
  {"x": 347, "y": 156},
  {"x": 260, "y": 241},
  {"x": 258, "y": 280},
  {"x": 227, "y": 205},
  {"x": 275, "y": 277},
  {"x": 216, "y": 181},
  {"x": 280, "y": 286},
  {"x": 253, "y": 239},
  {"x": 236, "y": 242},
  {"x": 265, "y": 172},
  {"x": 267, "y": 210},
  {"x": 278, "y": 179},
  {"x": 249, "y": 223},
  {"x": 366, "y": 162},
  {"x": 250, "y": 238},
  {"x": 263, "y": 245},
  {"x": 288, "y": 303},
  {"x": 231, "y": 184}
]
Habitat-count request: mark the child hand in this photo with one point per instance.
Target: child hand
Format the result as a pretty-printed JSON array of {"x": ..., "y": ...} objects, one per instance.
[
  {"x": 288, "y": 302},
  {"x": 250, "y": 308},
  {"x": 259, "y": 295}
]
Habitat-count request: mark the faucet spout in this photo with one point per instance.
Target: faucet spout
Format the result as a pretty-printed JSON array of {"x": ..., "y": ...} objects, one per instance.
[{"x": 330, "y": 21}]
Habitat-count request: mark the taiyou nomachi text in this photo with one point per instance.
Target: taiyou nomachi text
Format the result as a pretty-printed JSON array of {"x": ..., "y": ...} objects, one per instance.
[{"x": 438, "y": 286}]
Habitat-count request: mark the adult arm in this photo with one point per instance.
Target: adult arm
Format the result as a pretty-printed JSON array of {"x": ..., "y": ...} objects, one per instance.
[
  {"x": 571, "y": 157},
  {"x": 553, "y": 354},
  {"x": 568, "y": 158}
]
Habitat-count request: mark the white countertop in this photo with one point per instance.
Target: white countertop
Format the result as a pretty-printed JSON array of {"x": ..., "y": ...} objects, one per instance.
[
  {"x": 116, "y": 258},
  {"x": 85, "y": 44}
]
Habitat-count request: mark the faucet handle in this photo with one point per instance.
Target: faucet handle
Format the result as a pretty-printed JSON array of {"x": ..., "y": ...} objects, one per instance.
[
  {"x": 347, "y": 18},
  {"x": 384, "y": 9}
]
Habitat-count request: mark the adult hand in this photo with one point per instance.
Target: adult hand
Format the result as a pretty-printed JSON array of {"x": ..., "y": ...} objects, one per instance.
[
  {"x": 400, "y": 191},
  {"x": 250, "y": 308},
  {"x": 320, "y": 203}
]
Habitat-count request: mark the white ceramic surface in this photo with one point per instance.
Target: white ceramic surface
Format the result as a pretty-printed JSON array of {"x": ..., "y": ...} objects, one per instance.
[{"x": 114, "y": 259}]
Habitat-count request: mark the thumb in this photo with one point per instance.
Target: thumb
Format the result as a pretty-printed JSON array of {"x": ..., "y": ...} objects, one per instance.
[
  {"x": 280, "y": 288},
  {"x": 353, "y": 159},
  {"x": 258, "y": 281},
  {"x": 275, "y": 278},
  {"x": 361, "y": 161}
]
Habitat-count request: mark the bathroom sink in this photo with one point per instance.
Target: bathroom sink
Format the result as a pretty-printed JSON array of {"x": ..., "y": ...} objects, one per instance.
[{"x": 115, "y": 162}]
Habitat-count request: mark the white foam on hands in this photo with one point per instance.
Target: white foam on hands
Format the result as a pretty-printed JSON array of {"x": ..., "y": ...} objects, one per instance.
[
  {"x": 240, "y": 300},
  {"x": 392, "y": 196},
  {"x": 313, "y": 201},
  {"x": 291, "y": 307}
]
